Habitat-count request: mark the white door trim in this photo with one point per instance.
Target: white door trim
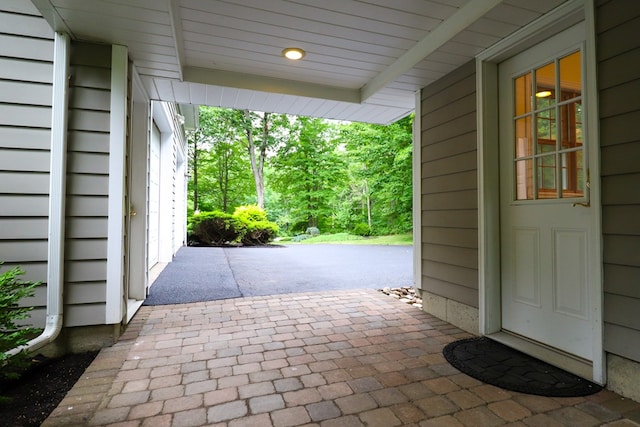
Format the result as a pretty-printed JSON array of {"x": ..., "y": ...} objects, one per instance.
[
  {"x": 117, "y": 154},
  {"x": 488, "y": 185}
]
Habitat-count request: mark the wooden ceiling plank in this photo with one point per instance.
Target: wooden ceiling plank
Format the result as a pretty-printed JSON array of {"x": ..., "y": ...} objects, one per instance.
[
  {"x": 115, "y": 10},
  {"x": 204, "y": 23},
  {"x": 283, "y": 22}
]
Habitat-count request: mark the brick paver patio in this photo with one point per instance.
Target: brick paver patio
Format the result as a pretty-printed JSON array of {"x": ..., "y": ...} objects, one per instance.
[{"x": 348, "y": 358}]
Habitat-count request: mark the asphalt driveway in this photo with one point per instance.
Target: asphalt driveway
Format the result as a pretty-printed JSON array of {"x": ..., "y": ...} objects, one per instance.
[{"x": 208, "y": 274}]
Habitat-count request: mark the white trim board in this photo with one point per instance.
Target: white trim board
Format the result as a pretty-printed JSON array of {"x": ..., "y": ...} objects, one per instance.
[
  {"x": 564, "y": 16},
  {"x": 117, "y": 155},
  {"x": 417, "y": 192}
]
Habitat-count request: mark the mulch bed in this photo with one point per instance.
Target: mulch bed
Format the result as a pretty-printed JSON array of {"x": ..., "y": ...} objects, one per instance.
[{"x": 40, "y": 389}]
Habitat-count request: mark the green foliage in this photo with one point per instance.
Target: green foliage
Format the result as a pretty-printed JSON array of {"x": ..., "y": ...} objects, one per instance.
[
  {"x": 250, "y": 213},
  {"x": 214, "y": 228},
  {"x": 248, "y": 225},
  {"x": 221, "y": 177},
  {"x": 12, "y": 334},
  {"x": 310, "y": 170},
  {"x": 317, "y": 173},
  {"x": 381, "y": 174},
  {"x": 362, "y": 229},
  {"x": 253, "y": 226},
  {"x": 301, "y": 237}
]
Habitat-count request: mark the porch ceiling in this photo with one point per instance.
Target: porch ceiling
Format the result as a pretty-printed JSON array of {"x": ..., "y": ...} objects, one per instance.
[{"x": 365, "y": 58}]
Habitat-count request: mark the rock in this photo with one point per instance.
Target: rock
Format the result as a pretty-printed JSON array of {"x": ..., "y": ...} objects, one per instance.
[{"x": 406, "y": 294}]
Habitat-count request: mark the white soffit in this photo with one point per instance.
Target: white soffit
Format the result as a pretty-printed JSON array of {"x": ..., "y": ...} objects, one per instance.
[{"x": 365, "y": 59}]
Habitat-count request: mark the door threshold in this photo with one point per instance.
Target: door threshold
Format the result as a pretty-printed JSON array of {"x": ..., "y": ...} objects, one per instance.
[
  {"x": 132, "y": 308},
  {"x": 570, "y": 363}
]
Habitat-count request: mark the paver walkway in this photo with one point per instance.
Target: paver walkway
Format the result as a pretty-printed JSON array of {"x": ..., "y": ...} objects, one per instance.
[{"x": 347, "y": 358}]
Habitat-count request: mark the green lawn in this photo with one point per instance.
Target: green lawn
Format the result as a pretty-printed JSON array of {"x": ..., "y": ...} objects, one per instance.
[{"x": 350, "y": 239}]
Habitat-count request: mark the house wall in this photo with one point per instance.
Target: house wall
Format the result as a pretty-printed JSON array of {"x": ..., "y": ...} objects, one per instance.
[
  {"x": 449, "y": 198},
  {"x": 87, "y": 184},
  {"x": 618, "y": 53},
  {"x": 26, "y": 73}
]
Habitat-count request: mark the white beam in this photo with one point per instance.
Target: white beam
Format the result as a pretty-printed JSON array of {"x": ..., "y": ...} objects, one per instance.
[
  {"x": 269, "y": 84},
  {"x": 51, "y": 15},
  {"x": 444, "y": 32},
  {"x": 178, "y": 41}
]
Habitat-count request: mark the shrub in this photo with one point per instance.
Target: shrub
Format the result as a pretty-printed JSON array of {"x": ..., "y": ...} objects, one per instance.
[
  {"x": 362, "y": 229},
  {"x": 250, "y": 213},
  {"x": 12, "y": 291},
  {"x": 258, "y": 233},
  {"x": 253, "y": 226},
  {"x": 313, "y": 231},
  {"x": 213, "y": 228}
]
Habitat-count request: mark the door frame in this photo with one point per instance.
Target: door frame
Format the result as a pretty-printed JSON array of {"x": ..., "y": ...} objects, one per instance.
[{"x": 490, "y": 322}]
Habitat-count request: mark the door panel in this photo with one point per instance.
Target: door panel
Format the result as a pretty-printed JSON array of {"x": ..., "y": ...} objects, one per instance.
[{"x": 544, "y": 189}]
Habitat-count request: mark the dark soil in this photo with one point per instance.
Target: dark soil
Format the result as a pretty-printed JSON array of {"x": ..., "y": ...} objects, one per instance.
[{"x": 40, "y": 389}]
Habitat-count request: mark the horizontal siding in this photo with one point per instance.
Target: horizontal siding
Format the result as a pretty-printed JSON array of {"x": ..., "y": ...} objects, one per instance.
[
  {"x": 88, "y": 142},
  {"x": 24, "y": 182},
  {"x": 87, "y": 184},
  {"x": 25, "y": 93},
  {"x": 24, "y": 160},
  {"x": 26, "y": 205},
  {"x": 19, "y": 47},
  {"x": 449, "y": 187},
  {"x": 617, "y": 48},
  {"x": 26, "y": 70}
]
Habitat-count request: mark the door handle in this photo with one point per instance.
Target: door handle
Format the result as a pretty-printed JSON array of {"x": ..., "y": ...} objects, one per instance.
[{"x": 584, "y": 205}]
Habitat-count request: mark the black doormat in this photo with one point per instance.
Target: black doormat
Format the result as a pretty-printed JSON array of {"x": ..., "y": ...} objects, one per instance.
[{"x": 496, "y": 364}]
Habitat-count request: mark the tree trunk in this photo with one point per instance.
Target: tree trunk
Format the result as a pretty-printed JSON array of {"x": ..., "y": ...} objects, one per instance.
[
  {"x": 367, "y": 197},
  {"x": 195, "y": 175},
  {"x": 257, "y": 164}
]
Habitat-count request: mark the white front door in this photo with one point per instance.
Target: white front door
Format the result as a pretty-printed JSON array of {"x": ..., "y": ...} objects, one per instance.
[{"x": 545, "y": 215}]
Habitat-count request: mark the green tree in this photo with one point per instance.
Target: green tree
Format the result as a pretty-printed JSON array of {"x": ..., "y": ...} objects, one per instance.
[
  {"x": 309, "y": 170},
  {"x": 263, "y": 132},
  {"x": 381, "y": 174},
  {"x": 220, "y": 167}
]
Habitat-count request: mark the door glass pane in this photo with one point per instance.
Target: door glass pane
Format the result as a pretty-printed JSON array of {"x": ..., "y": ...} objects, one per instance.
[
  {"x": 524, "y": 181},
  {"x": 547, "y": 188},
  {"x": 545, "y": 86},
  {"x": 522, "y": 91},
  {"x": 548, "y": 139},
  {"x": 572, "y": 173},
  {"x": 571, "y": 74},
  {"x": 524, "y": 137},
  {"x": 546, "y": 126}
]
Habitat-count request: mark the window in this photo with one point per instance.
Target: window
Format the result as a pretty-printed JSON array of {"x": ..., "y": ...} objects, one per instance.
[{"x": 549, "y": 146}]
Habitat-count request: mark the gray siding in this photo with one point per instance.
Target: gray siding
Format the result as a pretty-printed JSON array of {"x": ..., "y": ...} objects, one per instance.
[
  {"x": 449, "y": 187},
  {"x": 87, "y": 184},
  {"x": 26, "y": 70},
  {"x": 618, "y": 52}
]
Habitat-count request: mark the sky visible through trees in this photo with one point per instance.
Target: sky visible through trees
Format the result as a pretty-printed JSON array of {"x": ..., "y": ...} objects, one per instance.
[{"x": 306, "y": 172}]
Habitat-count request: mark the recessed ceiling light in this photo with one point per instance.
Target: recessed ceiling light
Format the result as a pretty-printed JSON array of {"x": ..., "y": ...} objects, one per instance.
[
  {"x": 293, "y": 53},
  {"x": 543, "y": 94}
]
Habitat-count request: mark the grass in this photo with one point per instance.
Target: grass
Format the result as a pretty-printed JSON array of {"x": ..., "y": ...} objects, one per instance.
[{"x": 350, "y": 239}]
